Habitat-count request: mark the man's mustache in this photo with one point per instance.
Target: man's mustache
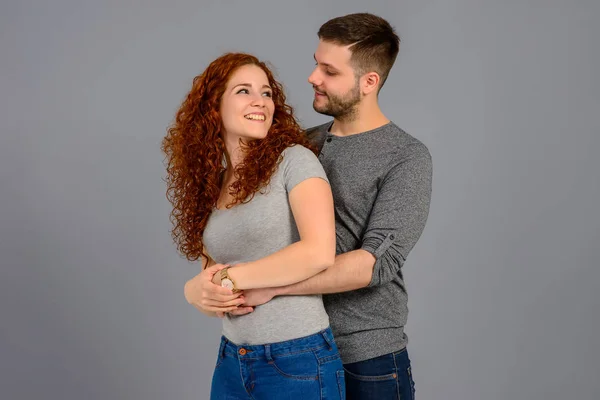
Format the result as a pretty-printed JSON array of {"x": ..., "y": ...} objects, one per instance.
[{"x": 316, "y": 89}]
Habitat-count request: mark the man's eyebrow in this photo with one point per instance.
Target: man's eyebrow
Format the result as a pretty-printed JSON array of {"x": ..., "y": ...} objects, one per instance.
[{"x": 323, "y": 63}]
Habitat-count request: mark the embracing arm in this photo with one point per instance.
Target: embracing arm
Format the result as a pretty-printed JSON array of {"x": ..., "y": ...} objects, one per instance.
[
  {"x": 350, "y": 271},
  {"x": 311, "y": 203},
  {"x": 396, "y": 222}
]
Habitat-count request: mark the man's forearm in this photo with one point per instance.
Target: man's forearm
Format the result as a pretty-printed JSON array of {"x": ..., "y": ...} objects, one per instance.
[{"x": 351, "y": 271}]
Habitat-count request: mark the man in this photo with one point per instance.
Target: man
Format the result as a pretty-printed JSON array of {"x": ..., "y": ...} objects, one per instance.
[{"x": 381, "y": 181}]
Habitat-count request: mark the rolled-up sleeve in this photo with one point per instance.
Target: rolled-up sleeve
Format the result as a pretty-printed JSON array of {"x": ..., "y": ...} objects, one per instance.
[{"x": 399, "y": 213}]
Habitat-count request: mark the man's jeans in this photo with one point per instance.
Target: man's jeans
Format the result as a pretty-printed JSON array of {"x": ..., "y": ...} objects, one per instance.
[
  {"x": 381, "y": 378},
  {"x": 307, "y": 368}
]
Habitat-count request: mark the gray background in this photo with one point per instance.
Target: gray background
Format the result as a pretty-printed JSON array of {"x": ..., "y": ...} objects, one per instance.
[{"x": 501, "y": 284}]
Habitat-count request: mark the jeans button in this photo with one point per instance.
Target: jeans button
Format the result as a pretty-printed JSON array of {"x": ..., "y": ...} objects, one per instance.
[{"x": 242, "y": 352}]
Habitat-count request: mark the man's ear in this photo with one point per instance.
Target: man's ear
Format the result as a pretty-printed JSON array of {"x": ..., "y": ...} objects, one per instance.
[{"x": 370, "y": 82}]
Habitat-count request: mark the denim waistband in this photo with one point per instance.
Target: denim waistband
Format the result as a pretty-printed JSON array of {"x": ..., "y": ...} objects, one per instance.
[{"x": 317, "y": 340}]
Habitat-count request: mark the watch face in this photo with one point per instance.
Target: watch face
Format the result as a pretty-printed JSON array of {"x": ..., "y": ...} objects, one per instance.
[{"x": 226, "y": 283}]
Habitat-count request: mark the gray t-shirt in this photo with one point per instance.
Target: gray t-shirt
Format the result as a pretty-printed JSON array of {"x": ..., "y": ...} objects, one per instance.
[{"x": 263, "y": 226}]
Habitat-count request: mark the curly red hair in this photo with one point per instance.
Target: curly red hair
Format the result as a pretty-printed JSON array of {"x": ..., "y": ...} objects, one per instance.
[{"x": 194, "y": 149}]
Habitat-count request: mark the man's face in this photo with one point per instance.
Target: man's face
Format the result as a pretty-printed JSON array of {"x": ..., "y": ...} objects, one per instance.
[{"x": 336, "y": 87}]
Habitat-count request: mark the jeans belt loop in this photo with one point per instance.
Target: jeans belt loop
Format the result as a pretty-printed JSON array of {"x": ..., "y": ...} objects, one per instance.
[
  {"x": 327, "y": 339},
  {"x": 222, "y": 349},
  {"x": 268, "y": 352}
]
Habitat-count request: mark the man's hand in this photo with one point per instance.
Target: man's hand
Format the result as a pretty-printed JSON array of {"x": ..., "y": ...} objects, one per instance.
[
  {"x": 256, "y": 297},
  {"x": 206, "y": 296},
  {"x": 253, "y": 298}
]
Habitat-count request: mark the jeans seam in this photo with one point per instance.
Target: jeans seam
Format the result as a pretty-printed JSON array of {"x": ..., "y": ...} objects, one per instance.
[
  {"x": 397, "y": 377},
  {"x": 242, "y": 379},
  {"x": 340, "y": 388},
  {"x": 326, "y": 359},
  {"x": 319, "y": 379},
  {"x": 411, "y": 382},
  {"x": 220, "y": 356}
]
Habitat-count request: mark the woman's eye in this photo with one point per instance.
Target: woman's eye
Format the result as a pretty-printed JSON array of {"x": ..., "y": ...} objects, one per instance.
[
  {"x": 243, "y": 90},
  {"x": 268, "y": 94}
]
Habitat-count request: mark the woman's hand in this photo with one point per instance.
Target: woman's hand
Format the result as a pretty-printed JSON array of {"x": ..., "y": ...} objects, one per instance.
[
  {"x": 253, "y": 298},
  {"x": 208, "y": 297}
]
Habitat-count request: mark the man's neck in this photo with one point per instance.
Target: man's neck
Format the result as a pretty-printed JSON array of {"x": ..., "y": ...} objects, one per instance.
[{"x": 365, "y": 119}]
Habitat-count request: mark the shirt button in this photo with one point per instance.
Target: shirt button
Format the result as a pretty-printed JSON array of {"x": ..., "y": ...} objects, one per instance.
[
  {"x": 328, "y": 140},
  {"x": 242, "y": 352}
]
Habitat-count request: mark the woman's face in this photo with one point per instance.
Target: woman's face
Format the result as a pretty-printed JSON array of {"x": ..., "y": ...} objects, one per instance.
[{"x": 247, "y": 105}]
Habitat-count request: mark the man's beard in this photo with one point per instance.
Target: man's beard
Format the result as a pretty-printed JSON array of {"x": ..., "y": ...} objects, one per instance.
[{"x": 342, "y": 108}]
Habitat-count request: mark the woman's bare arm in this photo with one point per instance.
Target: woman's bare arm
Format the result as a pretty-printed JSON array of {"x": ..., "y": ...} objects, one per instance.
[{"x": 311, "y": 202}]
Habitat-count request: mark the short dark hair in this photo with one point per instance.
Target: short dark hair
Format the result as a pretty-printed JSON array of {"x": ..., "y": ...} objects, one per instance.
[{"x": 374, "y": 42}]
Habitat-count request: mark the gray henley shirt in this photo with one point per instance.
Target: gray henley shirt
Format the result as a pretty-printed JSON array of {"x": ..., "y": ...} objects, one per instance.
[{"x": 381, "y": 182}]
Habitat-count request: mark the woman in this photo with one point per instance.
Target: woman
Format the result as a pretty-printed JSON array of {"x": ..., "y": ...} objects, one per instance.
[{"x": 251, "y": 199}]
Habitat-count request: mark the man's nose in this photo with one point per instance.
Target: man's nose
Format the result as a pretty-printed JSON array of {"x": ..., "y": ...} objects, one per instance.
[{"x": 314, "y": 78}]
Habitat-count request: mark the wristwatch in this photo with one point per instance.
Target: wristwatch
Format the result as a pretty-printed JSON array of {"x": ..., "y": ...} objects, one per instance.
[{"x": 226, "y": 280}]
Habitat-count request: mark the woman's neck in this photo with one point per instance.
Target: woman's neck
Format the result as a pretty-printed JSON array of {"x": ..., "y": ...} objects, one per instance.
[{"x": 233, "y": 154}]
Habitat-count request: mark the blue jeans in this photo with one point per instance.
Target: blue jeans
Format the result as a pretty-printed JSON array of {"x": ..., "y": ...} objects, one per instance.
[
  {"x": 307, "y": 368},
  {"x": 385, "y": 377}
]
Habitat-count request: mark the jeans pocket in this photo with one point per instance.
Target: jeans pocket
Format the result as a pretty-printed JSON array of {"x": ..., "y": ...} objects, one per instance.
[
  {"x": 377, "y": 387},
  {"x": 300, "y": 366},
  {"x": 371, "y": 378}
]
